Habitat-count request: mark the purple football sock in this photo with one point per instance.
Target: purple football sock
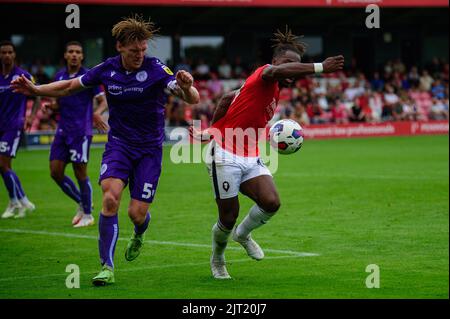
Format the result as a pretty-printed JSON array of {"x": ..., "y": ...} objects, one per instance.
[
  {"x": 140, "y": 229},
  {"x": 10, "y": 183},
  {"x": 86, "y": 195},
  {"x": 108, "y": 228},
  {"x": 20, "y": 192},
  {"x": 68, "y": 187}
]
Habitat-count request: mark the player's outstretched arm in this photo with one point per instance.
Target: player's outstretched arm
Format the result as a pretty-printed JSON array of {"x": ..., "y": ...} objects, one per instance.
[
  {"x": 296, "y": 70},
  {"x": 185, "y": 89},
  {"x": 54, "y": 89}
]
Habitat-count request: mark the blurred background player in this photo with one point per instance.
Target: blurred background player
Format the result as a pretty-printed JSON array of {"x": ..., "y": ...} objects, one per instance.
[
  {"x": 12, "y": 120},
  {"x": 136, "y": 90},
  {"x": 235, "y": 164},
  {"x": 74, "y": 135}
]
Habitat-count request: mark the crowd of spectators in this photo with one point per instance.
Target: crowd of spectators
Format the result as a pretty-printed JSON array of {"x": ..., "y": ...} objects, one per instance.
[{"x": 393, "y": 93}]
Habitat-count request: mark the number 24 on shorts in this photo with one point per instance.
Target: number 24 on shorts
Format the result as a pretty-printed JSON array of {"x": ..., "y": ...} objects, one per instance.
[{"x": 148, "y": 191}]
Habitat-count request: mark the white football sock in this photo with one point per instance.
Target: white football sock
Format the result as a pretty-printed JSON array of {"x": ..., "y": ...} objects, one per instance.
[
  {"x": 255, "y": 218},
  {"x": 220, "y": 237}
]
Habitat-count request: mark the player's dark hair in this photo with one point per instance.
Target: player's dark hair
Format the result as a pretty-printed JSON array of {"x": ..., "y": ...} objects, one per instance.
[
  {"x": 72, "y": 43},
  {"x": 134, "y": 28},
  {"x": 287, "y": 41},
  {"x": 7, "y": 42}
]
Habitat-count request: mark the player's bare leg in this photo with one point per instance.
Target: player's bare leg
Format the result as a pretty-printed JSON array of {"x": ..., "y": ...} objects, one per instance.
[
  {"x": 262, "y": 190},
  {"x": 228, "y": 213},
  {"x": 57, "y": 172},
  {"x": 138, "y": 211},
  {"x": 84, "y": 216},
  {"x": 18, "y": 199},
  {"x": 108, "y": 229}
]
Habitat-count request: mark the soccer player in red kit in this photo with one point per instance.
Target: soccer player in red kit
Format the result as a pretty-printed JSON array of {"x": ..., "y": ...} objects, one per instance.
[{"x": 234, "y": 164}]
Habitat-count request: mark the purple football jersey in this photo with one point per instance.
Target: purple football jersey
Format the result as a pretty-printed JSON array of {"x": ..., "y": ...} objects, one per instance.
[
  {"x": 12, "y": 105},
  {"x": 136, "y": 99},
  {"x": 76, "y": 110}
]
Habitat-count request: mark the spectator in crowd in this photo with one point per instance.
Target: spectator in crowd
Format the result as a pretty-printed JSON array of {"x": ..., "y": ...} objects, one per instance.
[
  {"x": 239, "y": 71},
  {"x": 439, "y": 110},
  {"x": 202, "y": 70},
  {"x": 413, "y": 77},
  {"x": 397, "y": 93},
  {"x": 425, "y": 81},
  {"x": 224, "y": 69},
  {"x": 377, "y": 83},
  {"x": 299, "y": 115},
  {"x": 438, "y": 89},
  {"x": 390, "y": 100},
  {"x": 183, "y": 65}
]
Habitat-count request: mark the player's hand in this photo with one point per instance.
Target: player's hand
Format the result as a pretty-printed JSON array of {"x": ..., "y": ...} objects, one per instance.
[
  {"x": 333, "y": 64},
  {"x": 99, "y": 124},
  {"x": 46, "y": 107},
  {"x": 28, "y": 123},
  {"x": 184, "y": 80},
  {"x": 24, "y": 86},
  {"x": 199, "y": 135}
]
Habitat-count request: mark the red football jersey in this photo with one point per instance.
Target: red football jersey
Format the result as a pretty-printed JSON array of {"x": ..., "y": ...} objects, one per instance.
[{"x": 248, "y": 115}]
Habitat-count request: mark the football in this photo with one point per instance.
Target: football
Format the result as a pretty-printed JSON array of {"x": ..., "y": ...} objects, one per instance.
[{"x": 286, "y": 136}]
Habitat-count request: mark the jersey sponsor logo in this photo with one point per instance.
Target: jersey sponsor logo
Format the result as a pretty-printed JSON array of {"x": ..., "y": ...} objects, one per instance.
[
  {"x": 114, "y": 89},
  {"x": 141, "y": 76},
  {"x": 118, "y": 90},
  {"x": 168, "y": 71}
]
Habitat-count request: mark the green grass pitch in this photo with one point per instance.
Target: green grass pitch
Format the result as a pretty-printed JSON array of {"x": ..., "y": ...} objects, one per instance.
[{"x": 352, "y": 202}]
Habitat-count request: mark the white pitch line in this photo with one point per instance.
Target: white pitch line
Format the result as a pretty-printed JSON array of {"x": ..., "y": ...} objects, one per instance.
[
  {"x": 144, "y": 268},
  {"x": 156, "y": 242}
]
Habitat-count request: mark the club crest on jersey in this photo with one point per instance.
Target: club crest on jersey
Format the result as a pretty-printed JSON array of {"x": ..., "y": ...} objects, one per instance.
[
  {"x": 226, "y": 186},
  {"x": 141, "y": 76}
]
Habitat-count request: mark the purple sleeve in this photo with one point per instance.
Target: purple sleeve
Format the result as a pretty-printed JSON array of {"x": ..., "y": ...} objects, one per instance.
[
  {"x": 92, "y": 77},
  {"x": 167, "y": 75},
  {"x": 96, "y": 90}
]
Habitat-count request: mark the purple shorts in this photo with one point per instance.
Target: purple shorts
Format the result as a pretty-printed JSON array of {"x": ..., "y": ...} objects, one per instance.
[
  {"x": 9, "y": 142},
  {"x": 73, "y": 149},
  {"x": 141, "y": 168}
]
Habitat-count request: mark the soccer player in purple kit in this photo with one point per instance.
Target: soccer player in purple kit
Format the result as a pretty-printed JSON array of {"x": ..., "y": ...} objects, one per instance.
[
  {"x": 136, "y": 90},
  {"x": 74, "y": 135},
  {"x": 12, "y": 121}
]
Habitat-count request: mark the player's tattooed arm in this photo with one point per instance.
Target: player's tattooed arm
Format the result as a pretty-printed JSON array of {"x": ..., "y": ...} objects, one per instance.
[
  {"x": 295, "y": 70},
  {"x": 100, "y": 106},
  {"x": 54, "y": 89},
  {"x": 184, "y": 89},
  {"x": 220, "y": 111},
  {"x": 223, "y": 105}
]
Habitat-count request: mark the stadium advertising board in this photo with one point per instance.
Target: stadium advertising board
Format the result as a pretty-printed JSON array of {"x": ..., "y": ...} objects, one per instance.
[{"x": 376, "y": 129}]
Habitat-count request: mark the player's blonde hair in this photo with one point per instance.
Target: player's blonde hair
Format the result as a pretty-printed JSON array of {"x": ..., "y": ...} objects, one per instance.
[
  {"x": 134, "y": 28},
  {"x": 287, "y": 41}
]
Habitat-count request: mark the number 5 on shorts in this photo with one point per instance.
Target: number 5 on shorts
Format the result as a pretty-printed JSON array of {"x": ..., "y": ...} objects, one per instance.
[{"x": 148, "y": 191}]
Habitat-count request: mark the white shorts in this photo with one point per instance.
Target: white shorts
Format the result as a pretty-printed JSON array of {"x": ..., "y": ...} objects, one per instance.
[{"x": 228, "y": 171}]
